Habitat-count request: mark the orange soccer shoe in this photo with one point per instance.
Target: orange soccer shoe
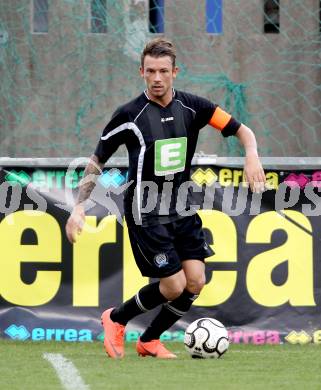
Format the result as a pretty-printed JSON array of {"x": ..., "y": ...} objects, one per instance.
[
  {"x": 153, "y": 348},
  {"x": 114, "y": 336}
]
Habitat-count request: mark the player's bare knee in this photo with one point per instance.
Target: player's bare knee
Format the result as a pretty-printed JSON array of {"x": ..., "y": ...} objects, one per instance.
[
  {"x": 173, "y": 290},
  {"x": 195, "y": 285},
  {"x": 174, "y": 293}
]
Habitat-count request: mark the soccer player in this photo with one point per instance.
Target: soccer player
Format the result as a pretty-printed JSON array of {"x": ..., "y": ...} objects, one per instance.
[{"x": 160, "y": 129}]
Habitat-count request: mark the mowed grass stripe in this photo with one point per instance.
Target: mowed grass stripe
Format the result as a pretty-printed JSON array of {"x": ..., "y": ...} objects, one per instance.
[
  {"x": 22, "y": 367},
  {"x": 243, "y": 367}
]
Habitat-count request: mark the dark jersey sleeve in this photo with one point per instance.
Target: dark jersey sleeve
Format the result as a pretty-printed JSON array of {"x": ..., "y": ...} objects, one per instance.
[
  {"x": 203, "y": 109},
  {"x": 208, "y": 113},
  {"x": 112, "y": 136}
]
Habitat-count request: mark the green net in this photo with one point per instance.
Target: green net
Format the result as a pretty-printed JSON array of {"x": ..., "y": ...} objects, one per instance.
[{"x": 66, "y": 65}]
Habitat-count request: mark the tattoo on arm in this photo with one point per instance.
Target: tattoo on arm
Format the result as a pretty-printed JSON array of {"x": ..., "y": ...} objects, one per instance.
[{"x": 87, "y": 184}]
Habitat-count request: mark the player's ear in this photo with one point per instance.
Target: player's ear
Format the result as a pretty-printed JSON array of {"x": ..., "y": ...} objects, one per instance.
[
  {"x": 175, "y": 71},
  {"x": 141, "y": 71}
]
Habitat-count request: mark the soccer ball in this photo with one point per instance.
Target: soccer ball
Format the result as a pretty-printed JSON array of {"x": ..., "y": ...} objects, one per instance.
[{"x": 206, "y": 338}]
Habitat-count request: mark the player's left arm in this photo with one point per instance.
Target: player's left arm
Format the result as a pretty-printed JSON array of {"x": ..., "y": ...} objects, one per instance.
[
  {"x": 253, "y": 170},
  {"x": 207, "y": 112},
  {"x": 228, "y": 126}
]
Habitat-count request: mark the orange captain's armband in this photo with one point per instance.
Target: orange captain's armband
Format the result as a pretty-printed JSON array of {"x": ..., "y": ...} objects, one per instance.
[{"x": 219, "y": 119}]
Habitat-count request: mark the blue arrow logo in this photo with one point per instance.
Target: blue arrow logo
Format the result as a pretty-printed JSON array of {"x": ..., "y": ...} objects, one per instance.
[
  {"x": 113, "y": 177},
  {"x": 15, "y": 177},
  {"x": 17, "y": 332}
]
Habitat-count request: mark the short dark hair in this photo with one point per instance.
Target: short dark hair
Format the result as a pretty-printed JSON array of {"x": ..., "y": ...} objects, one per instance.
[{"x": 159, "y": 47}]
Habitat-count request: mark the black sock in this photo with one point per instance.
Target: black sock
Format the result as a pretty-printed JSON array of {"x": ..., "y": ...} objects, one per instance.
[
  {"x": 169, "y": 314},
  {"x": 146, "y": 299}
]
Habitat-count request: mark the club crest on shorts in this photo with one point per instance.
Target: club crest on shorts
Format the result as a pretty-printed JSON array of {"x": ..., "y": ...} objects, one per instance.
[{"x": 161, "y": 260}]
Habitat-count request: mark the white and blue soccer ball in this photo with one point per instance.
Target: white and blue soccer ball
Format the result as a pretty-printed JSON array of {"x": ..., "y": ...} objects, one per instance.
[{"x": 206, "y": 338}]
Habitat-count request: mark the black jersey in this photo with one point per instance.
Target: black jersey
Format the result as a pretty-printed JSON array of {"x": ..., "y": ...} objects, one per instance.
[{"x": 161, "y": 142}]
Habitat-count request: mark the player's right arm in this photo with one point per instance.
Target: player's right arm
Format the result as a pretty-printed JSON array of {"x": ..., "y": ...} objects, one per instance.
[
  {"x": 76, "y": 220},
  {"x": 112, "y": 137}
]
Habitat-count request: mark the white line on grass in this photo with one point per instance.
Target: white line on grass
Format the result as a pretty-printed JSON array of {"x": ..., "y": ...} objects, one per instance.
[{"x": 67, "y": 373}]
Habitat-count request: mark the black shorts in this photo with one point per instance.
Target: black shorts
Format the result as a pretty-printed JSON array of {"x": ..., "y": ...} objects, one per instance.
[{"x": 160, "y": 249}]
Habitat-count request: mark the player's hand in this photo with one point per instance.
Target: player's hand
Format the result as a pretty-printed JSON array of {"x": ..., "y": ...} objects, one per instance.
[
  {"x": 75, "y": 223},
  {"x": 254, "y": 173}
]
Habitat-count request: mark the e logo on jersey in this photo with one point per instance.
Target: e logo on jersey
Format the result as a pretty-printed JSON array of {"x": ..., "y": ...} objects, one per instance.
[{"x": 170, "y": 155}]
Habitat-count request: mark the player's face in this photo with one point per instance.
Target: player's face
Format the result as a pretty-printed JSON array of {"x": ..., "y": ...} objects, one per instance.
[{"x": 159, "y": 74}]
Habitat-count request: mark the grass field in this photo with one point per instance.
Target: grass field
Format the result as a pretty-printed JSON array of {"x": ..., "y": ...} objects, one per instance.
[{"x": 23, "y": 366}]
